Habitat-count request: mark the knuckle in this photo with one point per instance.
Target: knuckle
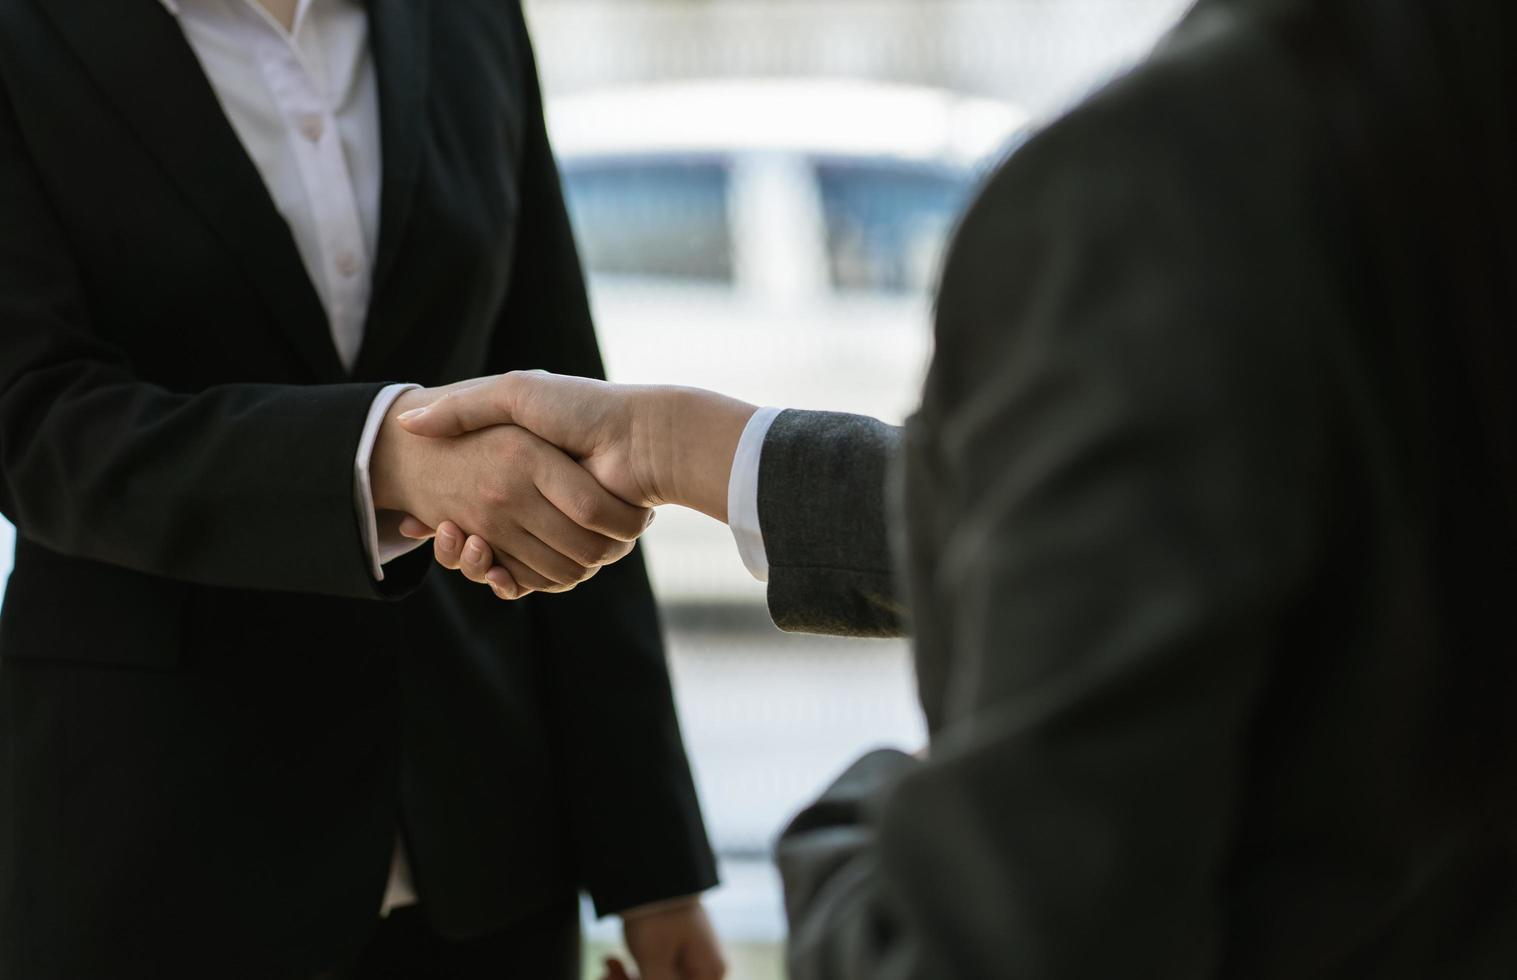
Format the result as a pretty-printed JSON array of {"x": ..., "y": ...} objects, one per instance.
[
  {"x": 568, "y": 577},
  {"x": 585, "y": 510},
  {"x": 597, "y": 552},
  {"x": 497, "y": 496}
]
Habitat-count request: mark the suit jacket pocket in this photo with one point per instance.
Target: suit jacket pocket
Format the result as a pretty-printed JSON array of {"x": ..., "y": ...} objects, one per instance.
[{"x": 74, "y": 610}]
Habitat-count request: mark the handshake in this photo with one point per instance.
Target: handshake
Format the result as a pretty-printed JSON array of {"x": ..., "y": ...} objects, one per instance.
[{"x": 532, "y": 482}]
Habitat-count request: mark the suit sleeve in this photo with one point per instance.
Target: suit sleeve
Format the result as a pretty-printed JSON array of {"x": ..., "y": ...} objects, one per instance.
[
  {"x": 96, "y": 463},
  {"x": 1114, "y": 489},
  {"x": 635, "y": 820},
  {"x": 824, "y": 518}
]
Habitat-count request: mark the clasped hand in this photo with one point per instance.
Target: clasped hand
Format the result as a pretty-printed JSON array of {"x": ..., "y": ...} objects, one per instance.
[{"x": 532, "y": 482}]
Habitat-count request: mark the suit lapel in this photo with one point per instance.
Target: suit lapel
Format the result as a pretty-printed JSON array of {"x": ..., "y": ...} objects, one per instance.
[
  {"x": 138, "y": 55},
  {"x": 398, "y": 32}
]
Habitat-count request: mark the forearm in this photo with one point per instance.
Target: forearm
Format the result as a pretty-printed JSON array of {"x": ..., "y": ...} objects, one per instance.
[
  {"x": 200, "y": 487},
  {"x": 99, "y": 462},
  {"x": 688, "y": 437}
]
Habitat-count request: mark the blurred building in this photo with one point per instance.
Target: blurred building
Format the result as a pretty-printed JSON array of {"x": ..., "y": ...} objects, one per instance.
[{"x": 1037, "y": 53}]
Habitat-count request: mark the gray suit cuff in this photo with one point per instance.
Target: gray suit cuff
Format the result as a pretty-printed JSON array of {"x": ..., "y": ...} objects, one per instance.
[{"x": 822, "y": 509}]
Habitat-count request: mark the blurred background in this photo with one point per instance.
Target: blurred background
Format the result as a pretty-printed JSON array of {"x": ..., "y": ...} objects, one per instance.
[{"x": 762, "y": 191}]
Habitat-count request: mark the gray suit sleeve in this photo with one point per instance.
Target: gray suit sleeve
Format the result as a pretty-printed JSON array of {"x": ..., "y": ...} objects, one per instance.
[{"x": 823, "y": 514}]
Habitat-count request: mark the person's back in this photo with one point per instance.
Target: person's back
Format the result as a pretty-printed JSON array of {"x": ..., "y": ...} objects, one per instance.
[
  {"x": 1269, "y": 278},
  {"x": 1379, "y": 824}
]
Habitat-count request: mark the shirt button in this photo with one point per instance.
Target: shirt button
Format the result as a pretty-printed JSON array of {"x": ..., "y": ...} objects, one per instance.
[
  {"x": 312, "y": 127},
  {"x": 348, "y": 264}
]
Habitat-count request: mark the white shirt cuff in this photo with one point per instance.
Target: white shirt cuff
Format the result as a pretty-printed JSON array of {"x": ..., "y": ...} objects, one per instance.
[
  {"x": 742, "y": 493},
  {"x": 382, "y": 544}
]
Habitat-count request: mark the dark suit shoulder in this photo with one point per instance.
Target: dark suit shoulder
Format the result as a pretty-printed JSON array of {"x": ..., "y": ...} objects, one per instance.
[
  {"x": 1139, "y": 220},
  {"x": 1219, "y": 103}
]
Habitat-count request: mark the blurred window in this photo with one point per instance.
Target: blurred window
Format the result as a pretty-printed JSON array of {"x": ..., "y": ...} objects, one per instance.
[
  {"x": 887, "y": 223},
  {"x": 654, "y": 217}
]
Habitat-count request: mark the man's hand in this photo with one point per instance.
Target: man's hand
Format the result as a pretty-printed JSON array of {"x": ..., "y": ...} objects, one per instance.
[
  {"x": 670, "y": 942},
  {"x": 538, "y": 521}
]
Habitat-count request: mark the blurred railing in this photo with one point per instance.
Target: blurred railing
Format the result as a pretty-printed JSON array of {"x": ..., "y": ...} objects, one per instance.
[{"x": 1038, "y": 53}]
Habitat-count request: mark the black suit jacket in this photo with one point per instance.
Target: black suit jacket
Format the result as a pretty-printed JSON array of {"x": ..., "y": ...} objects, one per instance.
[
  {"x": 1210, "y": 513},
  {"x": 210, "y": 723}
]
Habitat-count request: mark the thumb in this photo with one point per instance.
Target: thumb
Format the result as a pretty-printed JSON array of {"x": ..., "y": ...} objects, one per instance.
[{"x": 463, "y": 408}]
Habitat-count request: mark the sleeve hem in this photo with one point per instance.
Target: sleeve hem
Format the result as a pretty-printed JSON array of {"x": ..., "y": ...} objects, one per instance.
[
  {"x": 363, "y": 492},
  {"x": 743, "y": 494}
]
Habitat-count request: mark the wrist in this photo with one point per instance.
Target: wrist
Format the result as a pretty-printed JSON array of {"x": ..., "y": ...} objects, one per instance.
[
  {"x": 704, "y": 431},
  {"x": 653, "y": 427},
  {"x": 393, "y": 449}
]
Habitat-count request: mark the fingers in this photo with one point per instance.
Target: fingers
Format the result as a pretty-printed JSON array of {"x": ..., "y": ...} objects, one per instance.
[
  {"x": 615, "y": 970},
  {"x": 577, "y": 495},
  {"x": 448, "y": 545},
  {"x": 472, "y": 555},
  {"x": 476, "y": 560},
  {"x": 541, "y": 567},
  {"x": 465, "y": 408},
  {"x": 537, "y": 515},
  {"x": 524, "y": 561},
  {"x": 508, "y": 575},
  {"x": 414, "y": 529},
  {"x": 585, "y": 548}
]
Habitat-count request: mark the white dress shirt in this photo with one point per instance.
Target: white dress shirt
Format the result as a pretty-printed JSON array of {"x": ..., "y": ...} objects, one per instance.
[
  {"x": 742, "y": 493},
  {"x": 305, "y": 104}
]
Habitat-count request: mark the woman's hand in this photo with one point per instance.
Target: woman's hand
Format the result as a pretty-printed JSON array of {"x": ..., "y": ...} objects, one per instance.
[{"x": 672, "y": 941}]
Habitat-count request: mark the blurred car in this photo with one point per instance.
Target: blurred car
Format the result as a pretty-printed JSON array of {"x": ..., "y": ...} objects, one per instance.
[{"x": 777, "y": 240}]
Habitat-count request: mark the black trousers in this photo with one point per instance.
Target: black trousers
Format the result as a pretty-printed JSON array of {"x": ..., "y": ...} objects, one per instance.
[{"x": 543, "y": 947}]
